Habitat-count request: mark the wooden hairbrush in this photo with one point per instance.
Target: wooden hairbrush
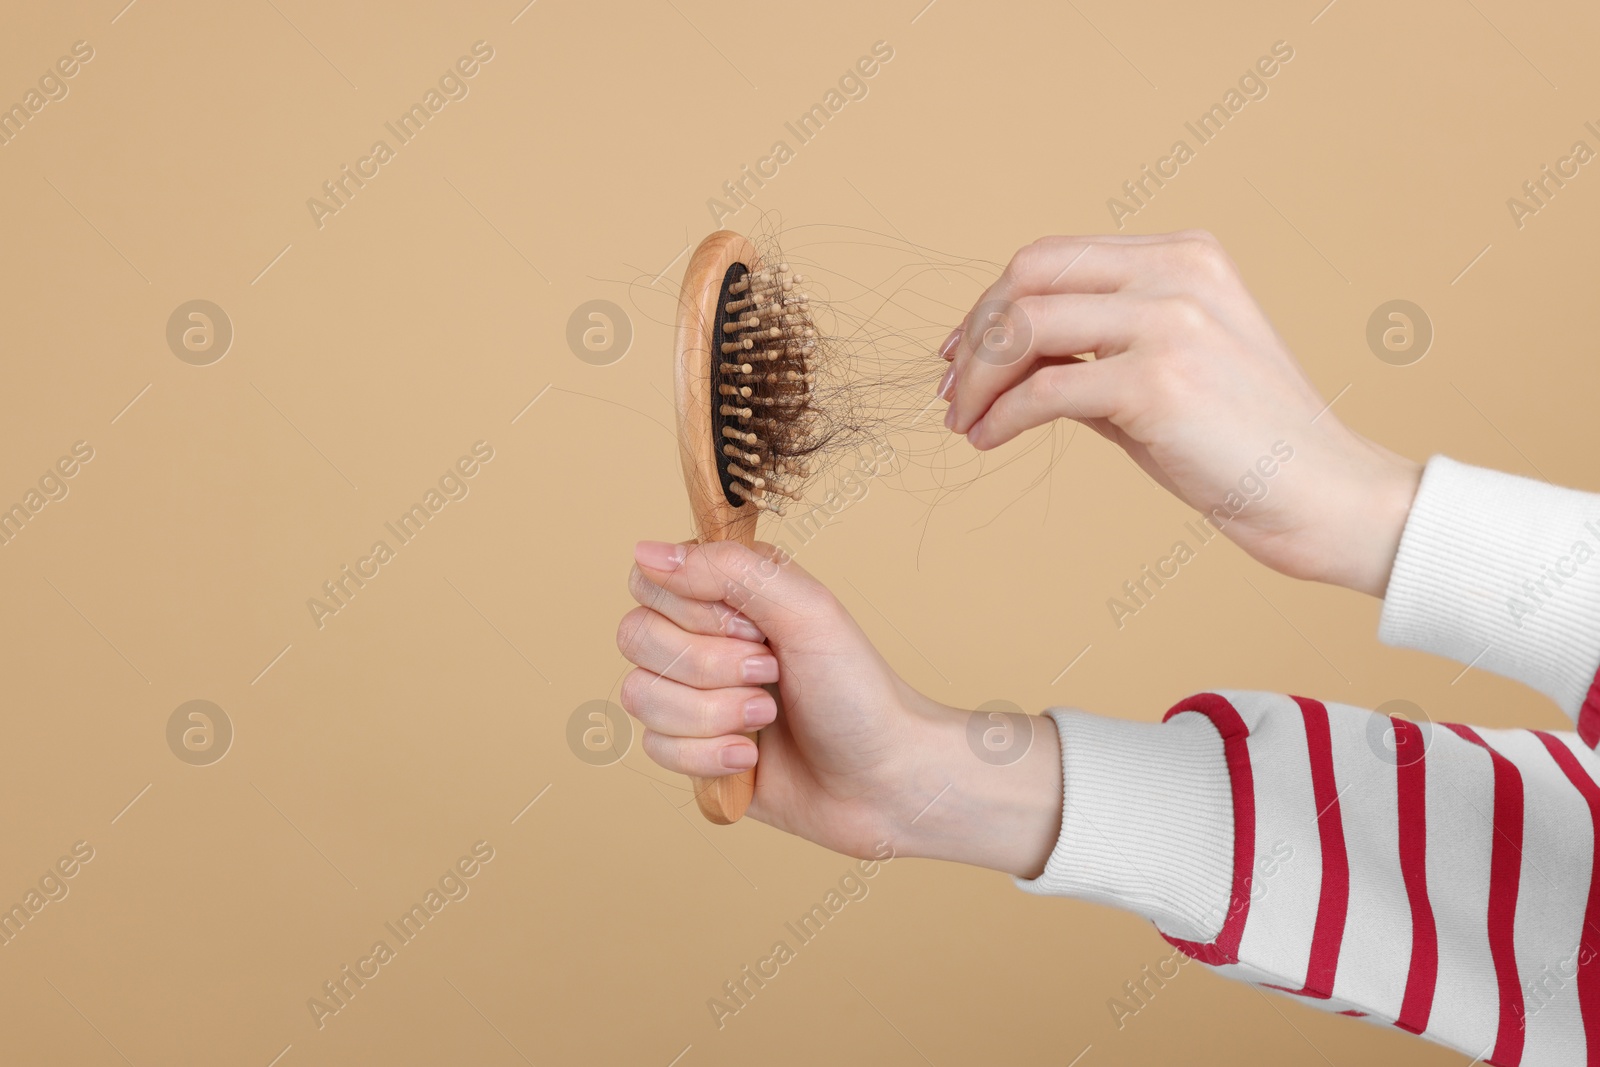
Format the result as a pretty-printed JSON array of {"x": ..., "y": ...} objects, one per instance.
[{"x": 742, "y": 381}]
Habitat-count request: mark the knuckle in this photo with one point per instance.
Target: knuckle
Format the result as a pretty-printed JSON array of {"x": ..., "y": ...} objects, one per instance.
[
  {"x": 1183, "y": 315},
  {"x": 630, "y": 633},
  {"x": 817, "y": 602},
  {"x": 1198, "y": 235},
  {"x": 628, "y": 693},
  {"x": 1201, "y": 255},
  {"x": 1025, "y": 261},
  {"x": 705, "y": 664},
  {"x": 713, "y": 715},
  {"x": 660, "y": 749},
  {"x": 642, "y": 589},
  {"x": 1041, "y": 390},
  {"x": 1048, "y": 394},
  {"x": 1056, "y": 250},
  {"x": 1026, "y": 310}
]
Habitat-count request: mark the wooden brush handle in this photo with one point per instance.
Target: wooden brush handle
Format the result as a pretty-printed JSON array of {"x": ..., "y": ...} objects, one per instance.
[{"x": 722, "y": 800}]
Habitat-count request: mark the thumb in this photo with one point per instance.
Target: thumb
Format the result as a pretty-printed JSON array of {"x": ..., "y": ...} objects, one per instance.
[{"x": 764, "y": 583}]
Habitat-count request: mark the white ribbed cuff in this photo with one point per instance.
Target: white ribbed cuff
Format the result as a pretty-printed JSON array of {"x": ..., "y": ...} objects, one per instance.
[
  {"x": 1501, "y": 572},
  {"x": 1147, "y": 821}
]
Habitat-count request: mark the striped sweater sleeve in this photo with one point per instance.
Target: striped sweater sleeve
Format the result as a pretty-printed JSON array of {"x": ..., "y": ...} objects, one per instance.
[
  {"x": 1435, "y": 877},
  {"x": 1503, "y": 573}
]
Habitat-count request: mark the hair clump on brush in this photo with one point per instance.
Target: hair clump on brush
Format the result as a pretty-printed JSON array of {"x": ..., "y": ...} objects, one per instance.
[
  {"x": 766, "y": 416},
  {"x": 798, "y": 373}
]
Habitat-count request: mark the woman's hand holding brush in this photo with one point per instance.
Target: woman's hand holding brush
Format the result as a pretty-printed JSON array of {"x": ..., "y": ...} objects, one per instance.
[{"x": 858, "y": 758}]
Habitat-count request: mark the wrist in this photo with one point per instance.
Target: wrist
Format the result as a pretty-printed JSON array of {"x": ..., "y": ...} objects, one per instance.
[
  {"x": 1352, "y": 522},
  {"x": 981, "y": 788},
  {"x": 1385, "y": 505}
]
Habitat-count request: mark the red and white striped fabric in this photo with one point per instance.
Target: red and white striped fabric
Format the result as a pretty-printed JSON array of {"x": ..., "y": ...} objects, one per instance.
[{"x": 1431, "y": 876}]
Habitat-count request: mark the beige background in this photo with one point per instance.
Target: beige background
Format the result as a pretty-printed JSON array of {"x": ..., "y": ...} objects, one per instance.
[{"x": 368, "y": 355}]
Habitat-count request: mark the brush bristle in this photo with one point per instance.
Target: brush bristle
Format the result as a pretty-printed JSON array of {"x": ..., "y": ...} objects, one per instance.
[{"x": 762, "y": 369}]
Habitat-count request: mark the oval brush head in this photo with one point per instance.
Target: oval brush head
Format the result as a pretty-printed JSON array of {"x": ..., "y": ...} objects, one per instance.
[{"x": 743, "y": 383}]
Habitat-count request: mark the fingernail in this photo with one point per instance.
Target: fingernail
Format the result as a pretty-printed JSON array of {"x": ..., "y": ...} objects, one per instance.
[
  {"x": 950, "y": 419},
  {"x": 760, "y": 711},
  {"x": 659, "y": 555},
  {"x": 742, "y": 628},
  {"x": 739, "y": 757},
  {"x": 946, "y": 382},
  {"x": 948, "y": 349},
  {"x": 759, "y": 670}
]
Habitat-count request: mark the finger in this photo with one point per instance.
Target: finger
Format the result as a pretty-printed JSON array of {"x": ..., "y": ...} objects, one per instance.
[
  {"x": 1085, "y": 392},
  {"x": 695, "y": 616},
  {"x": 654, "y": 642},
  {"x": 1014, "y": 337},
  {"x": 1159, "y": 264},
  {"x": 766, "y": 585},
  {"x": 701, "y": 757},
  {"x": 1050, "y": 265},
  {"x": 1101, "y": 263},
  {"x": 678, "y": 710}
]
